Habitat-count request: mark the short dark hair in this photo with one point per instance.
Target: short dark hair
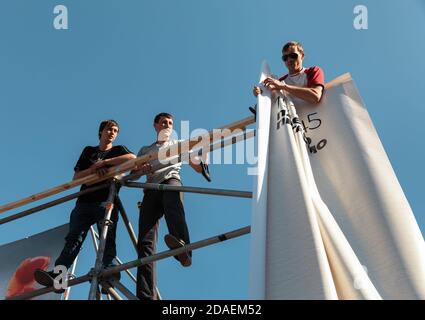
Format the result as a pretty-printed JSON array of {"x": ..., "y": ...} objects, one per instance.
[
  {"x": 160, "y": 115},
  {"x": 293, "y": 44},
  {"x": 107, "y": 123}
]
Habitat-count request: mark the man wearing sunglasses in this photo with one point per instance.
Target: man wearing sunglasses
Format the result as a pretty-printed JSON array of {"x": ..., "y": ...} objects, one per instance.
[{"x": 301, "y": 83}]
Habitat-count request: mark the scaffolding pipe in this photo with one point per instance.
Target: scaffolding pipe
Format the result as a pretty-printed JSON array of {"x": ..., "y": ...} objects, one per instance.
[
  {"x": 112, "y": 292},
  {"x": 211, "y": 137},
  {"x": 101, "y": 248},
  {"x": 45, "y": 290},
  {"x": 224, "y": 142},
  {"x": 132, "y": 277},
  {"x": 71, "y": 272},
  {"x": 95, "y": 237},
  {"x": 127, "y": 223},
  {"x": 97, "y": 272},
  {"x": 170, "y": 253},
  {"x": 221, "y": 144},
  {"x": 165, "y": 187},
  {"x": 139, "y": 262},
  {"x": 124, "y": 290},
  {"x": 51, "y": 203}
]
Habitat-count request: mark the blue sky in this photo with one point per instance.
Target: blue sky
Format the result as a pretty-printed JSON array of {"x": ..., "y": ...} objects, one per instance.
[{"x": 198, "y": 60}]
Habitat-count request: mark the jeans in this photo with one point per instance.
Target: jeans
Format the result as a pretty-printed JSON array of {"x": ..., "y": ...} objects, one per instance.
[
  {"x": 82, "y": 217},
  {"x": 156, "y": 204}
]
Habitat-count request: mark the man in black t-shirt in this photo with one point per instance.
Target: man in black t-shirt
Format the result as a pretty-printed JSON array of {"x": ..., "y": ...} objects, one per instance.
[{"x": 90, "y": 208}]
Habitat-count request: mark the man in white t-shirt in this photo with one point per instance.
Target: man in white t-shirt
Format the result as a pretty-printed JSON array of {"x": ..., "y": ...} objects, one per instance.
[
  {"x": 302, "y": 83},
  {"x": 157, "y": 203}
]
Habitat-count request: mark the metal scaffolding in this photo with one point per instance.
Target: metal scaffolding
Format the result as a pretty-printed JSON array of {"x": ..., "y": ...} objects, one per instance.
[{"x": 106, "y": 280}]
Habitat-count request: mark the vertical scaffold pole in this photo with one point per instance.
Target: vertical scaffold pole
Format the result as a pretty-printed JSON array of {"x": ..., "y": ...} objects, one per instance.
[
  {"x": 127, "y": 223},
  {"x": 102, "y": 242},
  {"x": 95, "y": 237},
  {"x": 71, "y": 273}
]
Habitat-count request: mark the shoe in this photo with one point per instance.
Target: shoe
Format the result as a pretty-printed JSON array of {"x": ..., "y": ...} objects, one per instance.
[
  {"x": 103, "y": 290},
  {"x": 115, "y": 276},
  {"x": 47, "y": 278},
  {"x": 173, "y": 243}
]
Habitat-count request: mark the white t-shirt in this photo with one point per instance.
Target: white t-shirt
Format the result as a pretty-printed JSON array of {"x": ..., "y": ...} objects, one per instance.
[
  {"x": 164, "y": 170},
  {"x": 307, "y": 77}
]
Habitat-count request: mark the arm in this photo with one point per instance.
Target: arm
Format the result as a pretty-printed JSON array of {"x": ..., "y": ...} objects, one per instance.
[
  {"x": 312, "y": 95},
  {"x": 197, "y": 167},
  {"x": 313, "y": 92},
  {"x": 81, "y": 174},
  {"x": 115, "y": 161},
  {"x": 143, "y": 168},
  {"x": 100, "y": 166}
]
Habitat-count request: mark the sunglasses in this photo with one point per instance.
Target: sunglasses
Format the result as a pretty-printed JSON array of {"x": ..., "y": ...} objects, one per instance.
[{"x": 292, "y": 55}]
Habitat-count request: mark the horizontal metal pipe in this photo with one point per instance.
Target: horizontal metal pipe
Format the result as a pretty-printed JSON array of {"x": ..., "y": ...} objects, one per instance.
[
  {"x": 221, "y": 144},
  {"x": 170, "y": 253},
  {"x": 51, "y": 203},
  {"x": 224, "y": 142},
  {"x": 95, "y": 237},
  {"x": 42, "y": 291},
  {"x": 165, "y": 187},
  {"x": 139, "y": 262},
  {"x": 130, "y": 164}
]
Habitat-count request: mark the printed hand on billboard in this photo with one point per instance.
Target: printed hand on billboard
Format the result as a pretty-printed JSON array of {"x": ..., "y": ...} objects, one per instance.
[{"x": 23, "y": 279}]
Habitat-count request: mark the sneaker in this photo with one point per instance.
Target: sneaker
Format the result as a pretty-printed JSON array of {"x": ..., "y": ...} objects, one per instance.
[
  {"x": 173, "y": 243},
  {"x": 47, "y": 278},
  {"x": 115, "y": 276},
  {"x": 104, "y": 290}
]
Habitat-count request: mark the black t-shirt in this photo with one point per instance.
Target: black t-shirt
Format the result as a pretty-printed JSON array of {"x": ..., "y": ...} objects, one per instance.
[{"x": 90, "y": 156}]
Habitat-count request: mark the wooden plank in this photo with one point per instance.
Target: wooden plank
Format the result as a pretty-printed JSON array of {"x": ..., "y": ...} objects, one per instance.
[
  {"x": 211, "y": 137},
  {"x": 337, "y": 81}
]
